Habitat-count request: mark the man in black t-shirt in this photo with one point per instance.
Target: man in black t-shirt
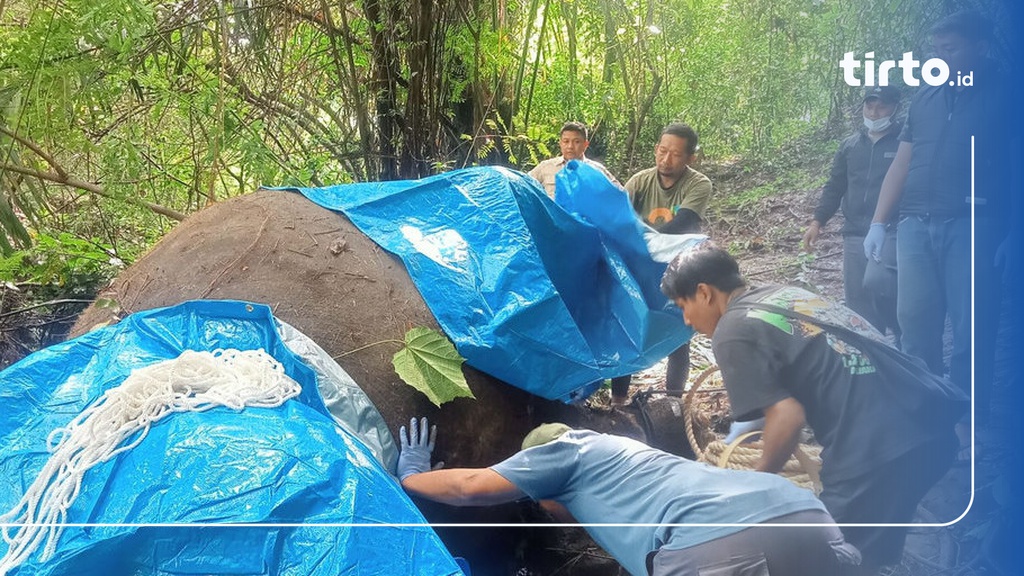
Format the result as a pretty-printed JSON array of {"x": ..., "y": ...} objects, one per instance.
[{"x": 884, "y": 422}]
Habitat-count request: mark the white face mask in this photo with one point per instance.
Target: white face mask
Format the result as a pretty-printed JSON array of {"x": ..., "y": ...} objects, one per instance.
[{"x": 877, "y": 125}]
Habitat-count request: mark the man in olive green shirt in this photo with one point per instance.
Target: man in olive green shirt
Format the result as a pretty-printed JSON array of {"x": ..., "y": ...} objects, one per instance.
[
  {"x": 671, "y": 198},
  {"x": 573, "y": 143}
]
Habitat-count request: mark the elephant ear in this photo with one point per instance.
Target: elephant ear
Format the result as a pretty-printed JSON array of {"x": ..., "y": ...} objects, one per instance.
[{"x": 430, "y": 363}]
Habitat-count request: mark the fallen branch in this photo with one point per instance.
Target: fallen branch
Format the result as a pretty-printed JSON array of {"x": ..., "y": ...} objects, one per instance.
[
  {"x": 767, "y": 270},
  {"x": 830, "y": 255},
  {"x": 92, "y": 188},
  {"x": 70, "y": 318},
  {"x": 60, "y": 176},
  {"x": 42, "y": 304},
  {"x": 35, "y": 148}
]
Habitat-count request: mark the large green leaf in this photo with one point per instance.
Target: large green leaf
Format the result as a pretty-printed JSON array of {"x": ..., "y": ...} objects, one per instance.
[{"x": 430, "y": 364}]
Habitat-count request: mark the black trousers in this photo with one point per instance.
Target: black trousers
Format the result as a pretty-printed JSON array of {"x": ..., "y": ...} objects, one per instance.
[{"x": 676, "y": 373}]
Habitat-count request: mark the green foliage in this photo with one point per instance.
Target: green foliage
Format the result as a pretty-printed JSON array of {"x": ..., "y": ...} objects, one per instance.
[
  {"x": 430, "y": 364},
  {"x": 183, "y": 104},
  {"x": 12, "y": 231},
  {"x": 64, "y": 263},
  {"x": 753, "y": 195},
  {"x": 797, "y": 178}
]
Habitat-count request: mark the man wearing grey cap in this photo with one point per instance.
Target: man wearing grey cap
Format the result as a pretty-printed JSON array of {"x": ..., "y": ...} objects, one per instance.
[
  {"x": 854, "y": 183},
  {"x": 670, "y": 515}
]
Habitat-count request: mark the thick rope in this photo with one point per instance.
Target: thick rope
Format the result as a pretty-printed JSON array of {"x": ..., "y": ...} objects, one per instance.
[
  {"x": 690, "y": 412},
  {"x": 802, "y": 468},
  {"x": 192, "y": 382}
]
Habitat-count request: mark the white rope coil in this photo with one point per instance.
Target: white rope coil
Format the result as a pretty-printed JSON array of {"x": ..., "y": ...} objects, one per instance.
[{"x": 120, "y": 419}]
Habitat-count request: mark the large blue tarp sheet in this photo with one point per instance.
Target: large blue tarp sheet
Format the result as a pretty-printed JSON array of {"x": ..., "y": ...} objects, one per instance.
[
  {"x": 551, "y": 297},
  {"x": 291, "y": 464}
]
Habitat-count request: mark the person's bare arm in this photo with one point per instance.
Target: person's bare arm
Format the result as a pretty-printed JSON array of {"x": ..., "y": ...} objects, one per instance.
[
  {"x": 463, "y": 487},
  {"x": 892, "y": 185},
  {"x": 782, "y": 424}
]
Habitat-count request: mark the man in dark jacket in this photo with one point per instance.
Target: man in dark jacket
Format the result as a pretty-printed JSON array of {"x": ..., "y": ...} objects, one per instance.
[
  {"x": 952, "y": 162},
  {"x": 854, "y": 183}
]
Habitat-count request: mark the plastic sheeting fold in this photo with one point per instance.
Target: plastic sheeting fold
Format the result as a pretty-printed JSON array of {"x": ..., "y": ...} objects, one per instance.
[
  {"x": 549, "y": 297},
  {"x": 291, "y": 464}
]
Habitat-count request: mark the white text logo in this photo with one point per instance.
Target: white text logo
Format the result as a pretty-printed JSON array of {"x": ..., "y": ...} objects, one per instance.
[{"x": 934, "y": 71}]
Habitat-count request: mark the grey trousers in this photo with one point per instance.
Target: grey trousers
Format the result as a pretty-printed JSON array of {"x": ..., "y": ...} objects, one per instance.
[
  {"x": 764, "y": 551},
  {"x": 875, "y": 303}
]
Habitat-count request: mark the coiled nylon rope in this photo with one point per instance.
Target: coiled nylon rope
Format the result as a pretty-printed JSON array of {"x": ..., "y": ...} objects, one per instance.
[{"x": 120, "y": 419}]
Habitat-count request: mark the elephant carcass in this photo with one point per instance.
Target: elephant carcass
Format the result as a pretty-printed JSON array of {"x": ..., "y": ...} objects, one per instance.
[{"x": 323, "y": 276}]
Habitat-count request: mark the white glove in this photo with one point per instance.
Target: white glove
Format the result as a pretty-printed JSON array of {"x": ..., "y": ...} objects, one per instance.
[
  {"x": 737, "y": 429},
  {"x": 874, "y": 241}
]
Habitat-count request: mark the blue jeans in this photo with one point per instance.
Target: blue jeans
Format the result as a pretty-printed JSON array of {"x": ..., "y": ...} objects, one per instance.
[{"x": 934, "y": 261}]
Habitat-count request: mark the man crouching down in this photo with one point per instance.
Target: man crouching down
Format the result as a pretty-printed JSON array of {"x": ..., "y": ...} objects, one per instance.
[{"x": 655, "y": 512}]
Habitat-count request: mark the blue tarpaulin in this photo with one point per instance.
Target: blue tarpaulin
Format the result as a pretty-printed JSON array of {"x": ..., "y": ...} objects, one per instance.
[
  {"x": 290, "y": 464},
  {"x": 549, "y": 297}
]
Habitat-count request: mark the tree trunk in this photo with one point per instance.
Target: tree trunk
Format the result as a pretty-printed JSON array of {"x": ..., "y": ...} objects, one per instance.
[
  {"x": 569, "y": 13},
  {"x": 356, "y": 97},
  {"x": 384, "y": 87},
  {"x": 416, "y": 150}
]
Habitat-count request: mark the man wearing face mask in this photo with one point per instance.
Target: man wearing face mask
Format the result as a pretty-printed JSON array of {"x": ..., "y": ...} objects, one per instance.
[{"x": 855, "y": 181}]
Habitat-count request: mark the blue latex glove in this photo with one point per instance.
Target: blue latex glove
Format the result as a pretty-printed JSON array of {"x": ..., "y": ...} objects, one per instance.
[
  {"x": 874, "y": 241},
  {"x": 416, "y": 448}
]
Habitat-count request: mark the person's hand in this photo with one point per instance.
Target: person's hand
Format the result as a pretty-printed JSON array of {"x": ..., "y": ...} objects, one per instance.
[
  {"x": 811, "y": 235},
  {"x": 416, "y": 447},
  {"x": 737, "y": 429},
  {"x": 874, "y": 241}
]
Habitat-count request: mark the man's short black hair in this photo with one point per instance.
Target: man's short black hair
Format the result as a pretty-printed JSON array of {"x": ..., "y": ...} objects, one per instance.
[
  {"x": 705, "y": 263},
  {"x": 681, "y": 130},
  {"x": 967, "y": 23},
  {"x": 574, "y": 127}
]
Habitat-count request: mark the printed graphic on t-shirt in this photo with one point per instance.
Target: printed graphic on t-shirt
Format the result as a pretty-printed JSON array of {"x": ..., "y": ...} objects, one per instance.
[
  {"x": 804, "y": 302},
  {"x": 660, "y": 216}
]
